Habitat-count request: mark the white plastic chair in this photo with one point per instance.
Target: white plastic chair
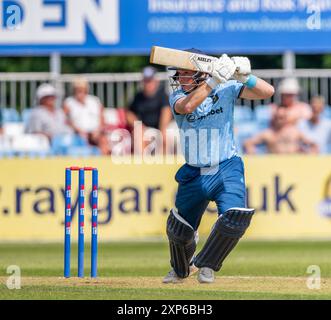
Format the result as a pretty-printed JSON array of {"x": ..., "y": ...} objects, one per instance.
[
  {"x": 31, "y": 145},
  {"x": 13, "y": 128},
  {"x": 6, "y": 146}
]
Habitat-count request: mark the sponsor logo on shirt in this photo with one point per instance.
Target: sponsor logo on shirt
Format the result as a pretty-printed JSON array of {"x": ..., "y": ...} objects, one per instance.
[{"x": 194, "y": 117}]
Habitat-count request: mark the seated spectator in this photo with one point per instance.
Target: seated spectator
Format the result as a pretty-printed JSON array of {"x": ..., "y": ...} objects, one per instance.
[
  {"x": 281, "y": 138},
  {"x": 46, "y": 118},
  {"x": 151, "y": 107},
  {"x": 119, "y": 136},
  {"x": 289, "y": 90},
  {"x": 86, "y": 115},
  {"x": 317, "y": 128}
]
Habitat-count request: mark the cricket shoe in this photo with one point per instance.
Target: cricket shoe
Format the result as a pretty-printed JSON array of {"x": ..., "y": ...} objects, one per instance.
[
  {"x": 172, "y": 277},
  {"x": 206, "y": 275}
]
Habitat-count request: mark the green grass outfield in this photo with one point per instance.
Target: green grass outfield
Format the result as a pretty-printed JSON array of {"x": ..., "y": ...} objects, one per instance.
[{"x": 254, "y": 270}]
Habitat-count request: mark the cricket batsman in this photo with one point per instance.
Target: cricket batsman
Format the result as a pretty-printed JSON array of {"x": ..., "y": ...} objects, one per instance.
[{"x": 203, "y": 107}]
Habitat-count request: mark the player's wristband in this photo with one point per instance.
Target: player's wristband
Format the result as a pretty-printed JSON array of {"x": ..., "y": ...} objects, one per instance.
[
  {"x": 211, "y": 82},
  {"x": 251, "y": 82}
]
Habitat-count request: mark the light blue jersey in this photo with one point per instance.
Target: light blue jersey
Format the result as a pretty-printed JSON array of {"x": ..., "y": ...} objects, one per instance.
[{"x": 207, "y": 134}]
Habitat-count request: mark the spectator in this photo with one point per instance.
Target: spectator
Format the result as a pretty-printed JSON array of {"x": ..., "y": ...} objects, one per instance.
[
  {"x": 150, "y": 106},
  {"x": 289, "y": 90},
  {"x": 317, "y": 128},
  {"x": 281, "y": 138},
  {"x": 117, "y": 130},
  {"x": 86, "y": 115},
  {"x": 46, "y": 118}
]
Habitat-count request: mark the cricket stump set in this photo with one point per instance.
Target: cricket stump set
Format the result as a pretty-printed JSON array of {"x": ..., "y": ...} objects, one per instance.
[{"x": 81, "y": 213}]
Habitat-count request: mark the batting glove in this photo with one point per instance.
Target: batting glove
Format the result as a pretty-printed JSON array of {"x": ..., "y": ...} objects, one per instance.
[
  {"x": 222, "y": 70},
  {"x": 243, "y": 69}
]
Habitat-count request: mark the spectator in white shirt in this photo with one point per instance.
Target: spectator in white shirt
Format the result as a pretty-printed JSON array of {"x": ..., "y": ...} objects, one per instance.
[
  {"x": 317, "y": 128},
  {"x": 86, "y": 115},
  {"x": 46, "y": 118}
]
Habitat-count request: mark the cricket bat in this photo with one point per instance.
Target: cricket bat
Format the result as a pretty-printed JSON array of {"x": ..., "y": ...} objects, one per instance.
[{"x": 181, "y": 59}]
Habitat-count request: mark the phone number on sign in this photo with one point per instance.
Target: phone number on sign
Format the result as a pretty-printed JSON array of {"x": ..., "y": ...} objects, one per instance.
[{"x": 188, "y": 25}]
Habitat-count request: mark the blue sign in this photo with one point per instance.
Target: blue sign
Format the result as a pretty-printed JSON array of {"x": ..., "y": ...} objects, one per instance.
[{"x": 102, "y": 27}]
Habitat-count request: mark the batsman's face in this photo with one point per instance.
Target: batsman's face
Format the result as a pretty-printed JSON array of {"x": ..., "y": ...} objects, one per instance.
[{"x": 186, "y": 80}]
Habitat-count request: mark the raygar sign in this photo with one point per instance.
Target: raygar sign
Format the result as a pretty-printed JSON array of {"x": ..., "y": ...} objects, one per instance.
[
  {"x": 58, "y": 21},
  {"x": 130, "y": 199}
]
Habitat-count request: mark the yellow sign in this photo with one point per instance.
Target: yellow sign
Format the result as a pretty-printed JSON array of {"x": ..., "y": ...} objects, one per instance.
[{"x": 291, "y": 194}]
